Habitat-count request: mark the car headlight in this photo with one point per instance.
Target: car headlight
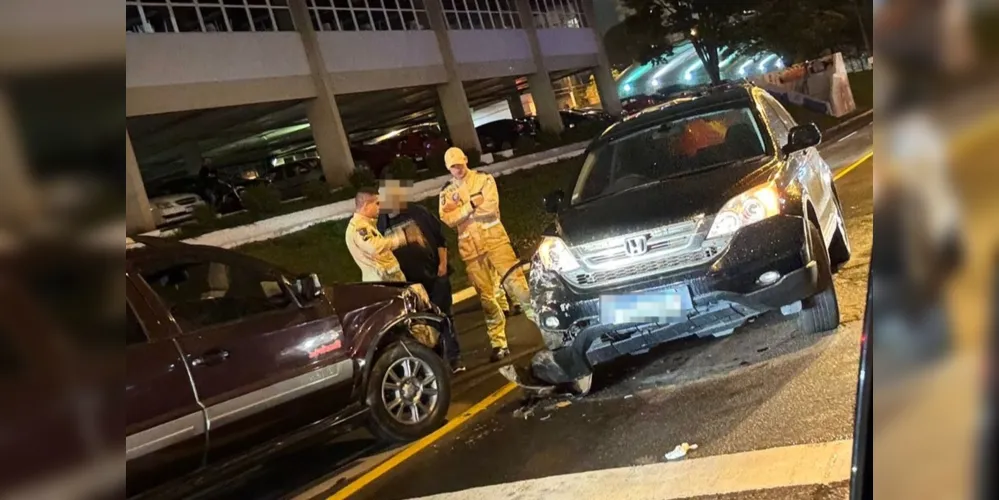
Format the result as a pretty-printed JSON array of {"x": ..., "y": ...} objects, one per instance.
[
  {"x": 164, "y": 205},
  {"x": 555, "y": 255},
  {"x": 749, "y": 207}
]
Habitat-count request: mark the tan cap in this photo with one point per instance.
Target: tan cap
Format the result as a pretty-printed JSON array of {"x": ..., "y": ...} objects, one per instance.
[{"x": 455, "y": 156}]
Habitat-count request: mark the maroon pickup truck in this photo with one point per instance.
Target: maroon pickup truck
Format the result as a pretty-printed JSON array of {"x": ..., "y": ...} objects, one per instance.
[{"x": 230, "y": 359}]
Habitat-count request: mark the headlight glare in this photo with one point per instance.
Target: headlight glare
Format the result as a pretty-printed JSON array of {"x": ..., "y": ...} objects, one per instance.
[
  {"x": 749, "y": 207},
  {"x": 555, "y": 255}
]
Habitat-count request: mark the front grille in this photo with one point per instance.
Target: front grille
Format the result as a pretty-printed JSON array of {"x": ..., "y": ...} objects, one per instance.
[
  {"x": 645, "y": 268},
  {"x": 187, "y": 201},
  {"x": 653, "y": 245}
]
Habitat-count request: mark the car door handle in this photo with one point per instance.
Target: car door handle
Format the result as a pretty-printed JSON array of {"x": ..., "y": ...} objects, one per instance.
[{"x": 212, "y": 357}]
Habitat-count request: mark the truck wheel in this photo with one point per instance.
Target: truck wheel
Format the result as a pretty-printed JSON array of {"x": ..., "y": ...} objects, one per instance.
[
  {"x": 820, "y": 312},
  {"x": 408, "y": 393}
]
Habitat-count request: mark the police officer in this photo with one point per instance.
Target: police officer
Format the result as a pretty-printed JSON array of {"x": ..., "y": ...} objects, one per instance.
[
  {"x": 469, "y": 203},
  {"x": 371, "y": 251}
]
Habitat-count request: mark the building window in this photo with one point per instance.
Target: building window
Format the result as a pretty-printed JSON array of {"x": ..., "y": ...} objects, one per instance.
[
  {"x": 368, "y": 15},
  {"x": 558, "y": 14},
  {"x": 481, "y": 14},
  {"x": 172, "y": 16}
]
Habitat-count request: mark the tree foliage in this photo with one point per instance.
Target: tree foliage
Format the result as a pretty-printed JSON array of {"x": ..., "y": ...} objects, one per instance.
[{"x": 794, "y": 29}]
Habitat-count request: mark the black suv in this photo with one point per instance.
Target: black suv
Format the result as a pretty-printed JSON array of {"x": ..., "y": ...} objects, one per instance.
[{"x": 687, "y": 219}]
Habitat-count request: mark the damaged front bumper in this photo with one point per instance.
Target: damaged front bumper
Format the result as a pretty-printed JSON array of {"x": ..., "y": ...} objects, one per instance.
[{"x": 725, "y": 293}]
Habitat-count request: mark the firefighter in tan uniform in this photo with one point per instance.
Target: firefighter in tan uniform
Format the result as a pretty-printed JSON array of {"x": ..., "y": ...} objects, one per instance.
[
  {"x": 370, "y": 249},
  {"x": 469, "y": 203}
]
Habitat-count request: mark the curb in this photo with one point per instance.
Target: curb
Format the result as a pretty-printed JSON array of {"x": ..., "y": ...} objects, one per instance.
[{"x": 832, "y": 130}]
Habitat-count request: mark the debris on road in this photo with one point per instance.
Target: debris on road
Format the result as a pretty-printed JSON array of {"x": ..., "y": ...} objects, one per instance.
[
  {"x": 557, "y": 406},
  {"x": 546, "y": 417},
  {"x": 525, "y": 412},
  {"x": 680, "y": 451},
  {"x": 523, "y": 378}
]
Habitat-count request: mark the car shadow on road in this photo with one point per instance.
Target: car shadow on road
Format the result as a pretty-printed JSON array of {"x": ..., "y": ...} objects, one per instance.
[{"x": 694, "y": 358}]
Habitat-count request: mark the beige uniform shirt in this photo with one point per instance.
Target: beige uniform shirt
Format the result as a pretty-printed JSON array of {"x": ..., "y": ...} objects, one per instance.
[
  {"x": 476, "y": 221},
  {"x": 371, "y": 251}
]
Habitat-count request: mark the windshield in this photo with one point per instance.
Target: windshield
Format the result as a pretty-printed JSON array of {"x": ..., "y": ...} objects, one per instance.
[{"x": 669, "y": 149}]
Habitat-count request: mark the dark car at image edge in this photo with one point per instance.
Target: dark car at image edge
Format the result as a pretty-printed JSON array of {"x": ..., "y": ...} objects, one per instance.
[
  {"x": 747, "y": 224},
  {"x": 230, "y": 360}
]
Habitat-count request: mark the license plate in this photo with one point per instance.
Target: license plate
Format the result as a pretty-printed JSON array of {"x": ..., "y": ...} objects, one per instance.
[{"x": 661, "y": 306}]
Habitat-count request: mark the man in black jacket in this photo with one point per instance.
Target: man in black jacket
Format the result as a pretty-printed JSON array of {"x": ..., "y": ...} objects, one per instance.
[{"x": 426, "y": 265}]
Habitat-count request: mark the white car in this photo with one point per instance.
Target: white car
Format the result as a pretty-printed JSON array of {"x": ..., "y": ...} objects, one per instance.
[{"x": 170, "y": 209}]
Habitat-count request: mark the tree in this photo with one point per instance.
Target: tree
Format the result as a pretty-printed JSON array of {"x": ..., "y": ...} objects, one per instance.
[
  {"x": 708, "y": 24},
  {"x": 798, "y": 30}
]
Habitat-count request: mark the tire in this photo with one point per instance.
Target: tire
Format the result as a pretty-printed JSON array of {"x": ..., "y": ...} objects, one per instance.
[
  {"x": 390, "y": 421},
  {"x": 820, "y": 312},
  {"x": 839, "y": 248},
  {"x": 839, "y": 251}
]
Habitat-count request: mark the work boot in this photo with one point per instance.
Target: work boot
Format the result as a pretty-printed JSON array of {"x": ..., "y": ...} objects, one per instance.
[
  {"x": 513, "y": 311},
  {"x": 499, "y": 353}
]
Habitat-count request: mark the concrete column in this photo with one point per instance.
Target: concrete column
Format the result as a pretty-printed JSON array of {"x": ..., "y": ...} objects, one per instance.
[
  {"x": 545, "y": 103},
  {"x": 324, "y": 115},
  {"x": 606, "y": 86},
  {"x": 19, "y": 203},
  {"x": 138, "y": 214},
  {"x": 454, "y": 102},
  {"x": 516, "y": 105}
]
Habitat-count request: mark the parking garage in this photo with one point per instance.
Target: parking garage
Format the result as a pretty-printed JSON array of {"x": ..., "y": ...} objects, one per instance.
[{"x": 234, "y": 84}]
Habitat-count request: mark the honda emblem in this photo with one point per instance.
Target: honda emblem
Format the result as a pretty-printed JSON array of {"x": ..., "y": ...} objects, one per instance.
[{"x": 636, "y": 246}]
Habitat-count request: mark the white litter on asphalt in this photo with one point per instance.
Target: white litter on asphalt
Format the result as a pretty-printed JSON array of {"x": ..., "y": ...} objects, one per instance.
[{"x": 680, "y": 451}]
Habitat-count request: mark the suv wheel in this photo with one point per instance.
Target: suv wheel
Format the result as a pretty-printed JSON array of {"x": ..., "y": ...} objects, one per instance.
[
  {"x": 820, "y": 312},
  {"x": 409, "y": 390}
]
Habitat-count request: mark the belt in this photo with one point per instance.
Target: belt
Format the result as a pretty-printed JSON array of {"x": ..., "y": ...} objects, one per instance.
[{"x": 483, "y": 225}]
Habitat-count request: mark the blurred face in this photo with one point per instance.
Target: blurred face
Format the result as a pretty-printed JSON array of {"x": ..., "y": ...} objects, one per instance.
[
  {"x": 458, "y": 171},
  {"x": 395, "y": 196}
]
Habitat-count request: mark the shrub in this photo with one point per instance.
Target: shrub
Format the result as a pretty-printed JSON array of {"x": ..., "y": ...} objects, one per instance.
[
  {"x": 524, "y": 145},
  {"x": 206, "y": 216},
  {"x": 363, "y": 178},
  {"x": 402, "y": 168},
  {"x": 435, "y": 164},
  {"x": 474, "y": 158},
  {"x": 317, "y": 191},
  {"x": 548, "y": 140},
  {"x": 262, "y": 200},
  {"x": 584, "y": 131}
]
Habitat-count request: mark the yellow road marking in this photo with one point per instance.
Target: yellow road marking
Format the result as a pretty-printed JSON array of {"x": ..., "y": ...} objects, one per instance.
[
  {"x": 427, "y": 440},
  {"x": 854, "y": 165}
]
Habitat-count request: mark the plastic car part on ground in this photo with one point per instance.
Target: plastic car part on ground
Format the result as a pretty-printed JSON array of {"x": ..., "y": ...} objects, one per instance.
[{"x": 680, "y": 451}]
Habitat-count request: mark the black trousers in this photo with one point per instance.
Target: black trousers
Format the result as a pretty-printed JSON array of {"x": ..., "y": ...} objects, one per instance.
[{"x": 440, "y": 294}]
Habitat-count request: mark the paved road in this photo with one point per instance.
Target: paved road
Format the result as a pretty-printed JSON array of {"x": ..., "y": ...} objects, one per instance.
[{"x": 767, "y": 386}]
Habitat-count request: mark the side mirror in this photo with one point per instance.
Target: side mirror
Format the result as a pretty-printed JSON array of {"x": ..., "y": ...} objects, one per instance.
[
  {"x": 553, "y": 200},
  {"x": 308, "y": 287},
  {"x": 802, "y": 137}
]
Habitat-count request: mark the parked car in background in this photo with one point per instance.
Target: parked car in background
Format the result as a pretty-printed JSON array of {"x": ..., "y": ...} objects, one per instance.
[
  {"x": 420, "y": 142},
  {"x": 230, "y": 360},
  {"x": 574, "y": 117},
  {"x": 290, "y": 178},
  {"x": 502, "y": 134},
  {"x": 689, "y": 219},
  {"x": 634, "y": 104},
  {"x": 172, "y": 209}
]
